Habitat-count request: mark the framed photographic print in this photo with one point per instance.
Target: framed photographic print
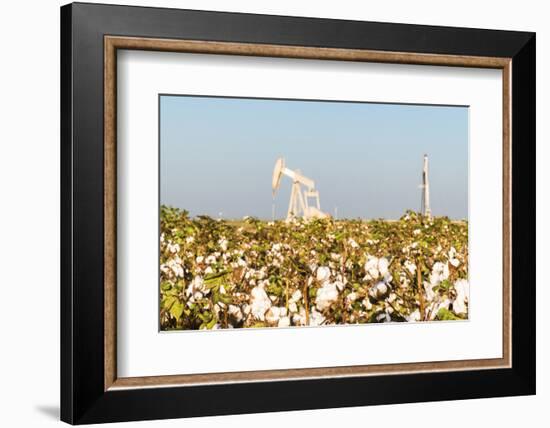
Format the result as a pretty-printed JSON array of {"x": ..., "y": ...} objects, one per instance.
[{"x": 265, "y": 213}]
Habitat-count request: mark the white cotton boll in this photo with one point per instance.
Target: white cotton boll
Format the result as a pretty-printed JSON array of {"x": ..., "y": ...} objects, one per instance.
[
  {"x": 339, "y": 285},
  {"x": 462, "y": 288},
  {"x": 413, "y": 316},
  {"x": 199, "y": 259},
  {"x": 428, "y": 288},
  {"x": 178, "y": 270},
  {"x": 208, "y": 270},
  {"x": 341, "y": 278},
  {"x": 272, "y": 315},
  {"x": 197, "y": 288},
  {"x": 173, "y": 248},
  {"x": 444, "y": 304},
  {"x": 261, "y": 274},
  {"x": 260, "y": 303},
  {"x": 351, "y": 297},
  {"x": 236, "y": 312},
  {"x": 440, "y": 272},
  {"x": 367, "y": 304},
  {"x": 316, "y": 318},
  {"x": 382, "y": 288},
  {"x": 323, "y": 273},
  {"x": 189, "y": 240},
  {"x": 189, "y": 291},
  {"x": 223, "y": 243},
  {"x": 292, "y": 307},
  {"x": 284, "y": 322},
  {"x": 411, "y": 267},
  {"x": 300, "y": 318},
  {"x": 452, "y": 253},
  {"x": 378, "y": 290},
  {"x": 371, "y": 268},
  {"x": 459, "y": 307},
  {"x": 263, "y": 283},
  {"x": 198, "y": 283},
  {"x": 352, "y": 243},
  {"x": 203, "y": 288},
  {"x": 383, "y": 265},
  {"x": 452, "y": 257},
  {"x": 383, "y": 317},
  {"x": 326, "y": 295},
  {"x": 297, "y": 295}
]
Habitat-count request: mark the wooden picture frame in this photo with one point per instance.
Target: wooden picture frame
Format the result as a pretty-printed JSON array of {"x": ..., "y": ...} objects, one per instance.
[{"x": 91, "y": 390}]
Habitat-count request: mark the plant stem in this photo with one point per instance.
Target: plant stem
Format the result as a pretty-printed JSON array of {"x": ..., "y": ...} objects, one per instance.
[
  {"x": 420, "y": 290},
  {"x": 306, "y": 303}
]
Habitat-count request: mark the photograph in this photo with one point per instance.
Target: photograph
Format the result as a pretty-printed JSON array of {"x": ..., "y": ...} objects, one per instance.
[
  {"x": 284, "y": 213},
  {"x": 281, "y": 210}
]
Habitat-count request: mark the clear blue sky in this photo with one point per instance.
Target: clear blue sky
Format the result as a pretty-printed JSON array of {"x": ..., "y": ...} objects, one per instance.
[{"x": 217, "y": 155}]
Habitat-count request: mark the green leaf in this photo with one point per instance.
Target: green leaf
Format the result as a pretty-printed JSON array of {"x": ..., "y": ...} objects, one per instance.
[
  {"x": 445, "y": 284},
  {"x": 225, "y": 299},
  {"x": 446, "y": 315},
  {"x": 177, "y": 309},
  {"x": 168, "y": 301},
  {"x": 212, "y": 323}
]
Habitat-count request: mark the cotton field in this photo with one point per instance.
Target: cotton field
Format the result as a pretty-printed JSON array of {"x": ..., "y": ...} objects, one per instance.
[{"x": 217, "y": 274}]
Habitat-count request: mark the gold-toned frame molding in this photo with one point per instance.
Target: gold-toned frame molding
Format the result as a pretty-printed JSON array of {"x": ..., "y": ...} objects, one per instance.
[{"x": 113, "y": 43}]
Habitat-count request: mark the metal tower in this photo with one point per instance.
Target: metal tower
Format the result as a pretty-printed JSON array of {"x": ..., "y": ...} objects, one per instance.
[
  {"x": 303, "y": 189},
  {"x": 425, "y": 186}
]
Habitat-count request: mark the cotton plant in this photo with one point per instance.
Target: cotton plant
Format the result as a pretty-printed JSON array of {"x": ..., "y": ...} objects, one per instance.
[{"x": 217, "y": 274}]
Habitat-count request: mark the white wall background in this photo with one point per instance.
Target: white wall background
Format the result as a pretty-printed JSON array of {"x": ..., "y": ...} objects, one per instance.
[{"x": 29, "y": 213}]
